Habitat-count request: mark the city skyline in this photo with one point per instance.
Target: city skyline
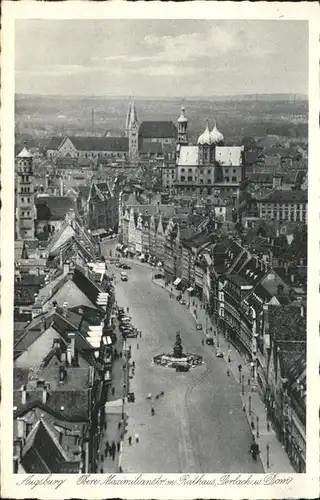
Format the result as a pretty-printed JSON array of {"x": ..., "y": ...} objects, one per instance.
[{"x": 161, "y": 57}]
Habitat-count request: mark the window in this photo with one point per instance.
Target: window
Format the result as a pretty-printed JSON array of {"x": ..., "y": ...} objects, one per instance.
[
  {"x": 234, "y": 179},
  {"x": 189, "y": 169},
  {"x": 189, "y": 178},
  {"x": 226, "y": 170},
  {"x": 209, "y": 181},
  {"x": 226, "y": 179},
  {"x": 234, "y": 170},
  {"x": 209, "y": 170},
  {"x": 182, "y": 170},
  {"x": 182, "y": 178}
]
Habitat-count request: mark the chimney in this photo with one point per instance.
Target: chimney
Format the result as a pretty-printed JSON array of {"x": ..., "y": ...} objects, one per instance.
[
  {"x": 23, "y": 394},
  {"x": 66, "y": 267},
  {"x": 62, "y": 374},
  {"x": 21, "y": 428},
  {"x": 63, "y": 357},
  {"x": 65, "y": 309},
  {"x": 61, "y": 186},
  {"x": 286, "y": 268},
  {"x": 261, "y": 265},
  {"x": 292, "y": 278},
  {"x": 46, "y": 182},
  {"x": 44, "y": 395},
  {"x": 302, "y": 311},
  {"x": 158, "y": 207},
  {"x": 278, "y": 233},
  {"x": 72, "y": 346}
]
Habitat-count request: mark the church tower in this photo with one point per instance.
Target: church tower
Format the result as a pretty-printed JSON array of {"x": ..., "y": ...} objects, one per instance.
[
  {"x": 183, "y": 128},
  {"x": 25, "y": 209},
  {"x": 132, "y": 125}
]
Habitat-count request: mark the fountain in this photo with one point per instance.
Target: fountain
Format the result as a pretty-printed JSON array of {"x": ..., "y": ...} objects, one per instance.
[{"x": 177, "y": 359}]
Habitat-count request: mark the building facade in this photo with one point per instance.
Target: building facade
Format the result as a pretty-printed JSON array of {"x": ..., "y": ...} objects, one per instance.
[{"x": 25, "y": 210}]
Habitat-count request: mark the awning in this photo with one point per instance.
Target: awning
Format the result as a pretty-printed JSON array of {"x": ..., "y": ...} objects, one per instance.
[
  {"x": 190, "y": 289},
  {"x": 177, "y": 282}
]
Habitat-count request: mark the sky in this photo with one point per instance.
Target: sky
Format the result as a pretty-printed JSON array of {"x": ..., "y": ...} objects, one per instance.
[{"x": 160, "y": 57}]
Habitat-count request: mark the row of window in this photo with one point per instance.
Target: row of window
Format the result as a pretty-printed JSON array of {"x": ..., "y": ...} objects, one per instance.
[
  {"x": 25, "y": 189},
  {"x": 25, "y": 199},
  {"x": 282, "y": 205},
  {"x": 233, "y": 179}
]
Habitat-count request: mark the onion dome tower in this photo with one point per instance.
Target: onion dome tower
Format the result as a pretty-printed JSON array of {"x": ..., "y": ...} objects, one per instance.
[
  {"x": 204, "y": 144},
  {"x": 216, "y": 137}
]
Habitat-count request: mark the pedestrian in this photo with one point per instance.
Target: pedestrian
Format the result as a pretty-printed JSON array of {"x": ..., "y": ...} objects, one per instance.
[
  {"x": 101, "y": 457},
  {"x": 105, "y": 426},
  {"x": 243, "y": 407},
  {"x": 120, "y": 469},
  {"x": 116, "y": 353},
  {"x": 130, "y": 440},
  {"x": 119, "y": 425},
  {"x": 252, "y": 425},
  {"x": 228, "y": 372},
  {"x": 140, "y": 334},
  {"x": 112, "y": 391},
  {"x": 202, "y": 342},
  {"x": 127, "y": 309},
  {"x": 101, "y": 470},
  {"x": 229, "y": 359},
  {"x": 137, "y": 346},
  {"x": 120, "y": 354},
  {"x": 133, "y": 364},
  {"x": 113, "y": 454},
  {"x": 249, "y": 380},
  {"x": 136, "y": 437},
  {"x": 118, "y": 446}
]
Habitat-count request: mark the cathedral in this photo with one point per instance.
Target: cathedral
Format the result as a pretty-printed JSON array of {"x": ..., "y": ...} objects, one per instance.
[{"x": 147, "y": 139}]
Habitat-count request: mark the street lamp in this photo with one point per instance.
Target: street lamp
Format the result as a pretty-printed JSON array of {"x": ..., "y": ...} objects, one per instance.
[
  {"x": 258, "y": 427},
  {"x": 250, "y": 410},
  {"x": 242, "y": 388}
]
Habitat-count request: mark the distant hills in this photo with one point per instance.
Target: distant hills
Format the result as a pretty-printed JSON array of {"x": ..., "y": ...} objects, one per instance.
[{"x": 236, "y": 97}]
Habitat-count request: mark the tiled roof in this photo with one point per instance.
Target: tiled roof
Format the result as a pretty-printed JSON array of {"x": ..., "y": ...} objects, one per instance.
[
  {"x": 158, "y": 130},
  {"x": 286, "y": 323},
  {"x": 229, "y": 155},
  {"x": 75, "y": 404},
  {"x": 24, "y": 295},
  {"x": 84, "y": 190},
  {"x": 151, "y": 147},
  {"x": 87, "y": 286},
  {"x": 58, "y": 207},
  {"x": 262, "y": 177},
  {"x": 286, "y": 197},
  {"x": 117, "y": 144},
  {"x": 55, "y": 142},
  {"x": 198, "y": 240},
  {"x": 188, "y": 155}
]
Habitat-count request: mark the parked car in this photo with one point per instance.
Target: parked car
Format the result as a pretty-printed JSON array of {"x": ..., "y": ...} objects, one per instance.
[
  {"x": 198, "y": 326},
  {"x": 131, "y": 397},
  {"x": 126, "y": 266},
  {"x": 118, "y": 264},
  {"x": 158, "y": 276},
  {"x": 219, "y": 353}
]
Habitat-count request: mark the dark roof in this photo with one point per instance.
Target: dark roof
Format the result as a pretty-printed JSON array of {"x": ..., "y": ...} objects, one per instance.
[
  {"x": 84, "y": 190},
  {"x": 286, "y": 323},
  {"x": 24, "y": 295},
  {"x": 87, "y": 286},
  {"x": 198, "y": 240},
  {"x": 261, "y": 178},
  {"x": 118, "y": 144},
  {"x": 53, "y": 207},
  {"x": 75, "y": 403},
  {"x": 286, "y": 197},
  {"x": 158, "y": 130},
  {"x": 55, "y": 142},
  {"x": 151, "y": 147}
]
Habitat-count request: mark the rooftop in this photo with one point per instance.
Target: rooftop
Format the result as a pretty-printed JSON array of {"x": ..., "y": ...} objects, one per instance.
[
  {"x": 286, "y": 197},
  {"x": 158, "y": 129}
]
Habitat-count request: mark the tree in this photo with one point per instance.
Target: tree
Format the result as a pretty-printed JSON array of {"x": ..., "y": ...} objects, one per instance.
[{"x": 177, "y": 348}]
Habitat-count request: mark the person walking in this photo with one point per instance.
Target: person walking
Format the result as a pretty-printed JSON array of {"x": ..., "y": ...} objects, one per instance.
[
  {"x": 140, "y": 334},
  {"x": 137, "y": 346},
  {"x": 136, "y": 437},
  {"x": 112, "y": 391},
  {"x": 130, "y": 440},
  {"x": 252, "y": 425},
  {"x": 127, "y": 309},
  {"x": 118, "y": 446},
  {"x": 119, "y": 425},
  {"x": 202, "y": 342},
  {"x": 228, "y": 372}
]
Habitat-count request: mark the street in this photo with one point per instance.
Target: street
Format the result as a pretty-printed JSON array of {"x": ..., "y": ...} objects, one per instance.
[{"x": 199, "y": 424}]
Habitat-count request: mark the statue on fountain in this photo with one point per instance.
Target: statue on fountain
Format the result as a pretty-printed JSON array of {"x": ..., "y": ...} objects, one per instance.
[{"x": 177, "y": 348}]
